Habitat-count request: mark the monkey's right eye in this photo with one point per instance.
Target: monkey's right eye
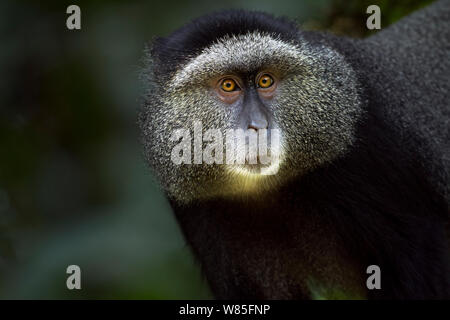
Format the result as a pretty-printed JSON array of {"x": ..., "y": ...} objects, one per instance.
[{"x": 229, "y": 85}]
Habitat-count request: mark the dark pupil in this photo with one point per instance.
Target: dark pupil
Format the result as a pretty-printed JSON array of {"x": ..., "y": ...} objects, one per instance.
[
  {"x": 264, "y": 80},
  {"x": 228, "y": 84}
]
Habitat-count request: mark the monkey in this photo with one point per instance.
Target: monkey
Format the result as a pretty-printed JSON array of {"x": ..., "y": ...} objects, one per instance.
[{"x": 363, "y": 167}]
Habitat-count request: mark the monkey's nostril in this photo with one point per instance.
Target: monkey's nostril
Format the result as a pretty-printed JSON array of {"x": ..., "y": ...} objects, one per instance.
[{"x": 258, "y": 125}]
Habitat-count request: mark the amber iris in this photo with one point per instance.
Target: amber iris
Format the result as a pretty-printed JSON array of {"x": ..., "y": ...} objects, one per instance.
[
  {"x": 228, "y": 85},
  {"x": 265, "y": 81}
]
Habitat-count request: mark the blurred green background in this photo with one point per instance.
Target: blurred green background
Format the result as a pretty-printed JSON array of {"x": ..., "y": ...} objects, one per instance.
[{"x": 73, "y": 185}]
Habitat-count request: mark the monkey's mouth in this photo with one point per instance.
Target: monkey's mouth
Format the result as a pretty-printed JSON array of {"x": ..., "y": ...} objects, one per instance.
[
  {"x": 260, "y": 168},
  {"x": 258, "y": 158}
]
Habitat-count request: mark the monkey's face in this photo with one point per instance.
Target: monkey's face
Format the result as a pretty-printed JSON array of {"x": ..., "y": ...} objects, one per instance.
[{"x": 305, "y": 93}]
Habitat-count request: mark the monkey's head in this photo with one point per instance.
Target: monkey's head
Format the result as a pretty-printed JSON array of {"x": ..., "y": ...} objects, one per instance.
[{"x": 251, "y": 71}]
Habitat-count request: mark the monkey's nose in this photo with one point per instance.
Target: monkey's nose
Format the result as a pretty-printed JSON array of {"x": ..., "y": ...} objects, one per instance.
[{"x": 256, "y": 125}]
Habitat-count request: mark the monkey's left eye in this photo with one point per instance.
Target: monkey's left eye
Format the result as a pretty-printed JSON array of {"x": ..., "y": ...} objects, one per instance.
[
  {"x": 229, "y": 85},
  {"x": 265, "y": 81}
]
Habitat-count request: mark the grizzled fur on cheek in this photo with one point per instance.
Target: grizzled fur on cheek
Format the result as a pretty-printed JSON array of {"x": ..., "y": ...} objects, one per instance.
[
  {"x": 180, "y": 108},
  {"x": 318, "y": 108}
]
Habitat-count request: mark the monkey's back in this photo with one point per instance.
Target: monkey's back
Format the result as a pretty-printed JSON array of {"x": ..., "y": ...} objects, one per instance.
[{"x": 409, "y": 66}]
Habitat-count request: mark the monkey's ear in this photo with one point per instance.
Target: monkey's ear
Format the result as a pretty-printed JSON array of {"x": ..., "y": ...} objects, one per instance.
[
  {"x": 147, "y": 56},
  {"x": 146, "y": 72},
  {"x": 151, "y": 45},
  {"x": 163, "y": 56},
  {"x": 152, "y": 57},
  {"x": 160, "y": 47}
]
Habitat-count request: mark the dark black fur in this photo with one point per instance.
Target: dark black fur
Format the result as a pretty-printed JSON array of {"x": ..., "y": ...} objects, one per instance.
[{"x": 379, "y": 202}]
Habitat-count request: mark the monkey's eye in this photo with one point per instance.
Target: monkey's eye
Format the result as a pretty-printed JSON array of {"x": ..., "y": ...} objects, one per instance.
[
  {"x": 265, "y": 81},
  {"x": 229, "y": 85}
]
